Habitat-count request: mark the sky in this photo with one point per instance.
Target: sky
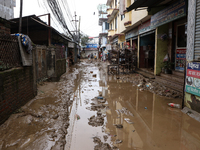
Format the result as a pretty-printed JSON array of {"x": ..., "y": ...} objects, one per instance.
[{"x": 83, "y": 8}]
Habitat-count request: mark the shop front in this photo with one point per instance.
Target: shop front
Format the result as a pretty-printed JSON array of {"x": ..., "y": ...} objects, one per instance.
[
  {"x": 115, "y": 44},
  {"x": 171, "y": 24},
  {"x": 146, "y": 46},
  {"x": 131, "y": 39}
]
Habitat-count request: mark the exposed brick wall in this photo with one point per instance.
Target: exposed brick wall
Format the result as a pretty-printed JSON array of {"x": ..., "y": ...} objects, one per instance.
[{"x": 16, "y": 89}]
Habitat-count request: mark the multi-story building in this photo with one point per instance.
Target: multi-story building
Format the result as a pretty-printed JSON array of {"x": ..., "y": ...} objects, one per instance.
[
  {"x": 103, "y": 22},
  {"x": 156, "y": 30},
  {"x": 6, "y": 9}
]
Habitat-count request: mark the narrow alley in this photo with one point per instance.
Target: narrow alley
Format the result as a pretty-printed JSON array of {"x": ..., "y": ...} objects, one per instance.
[{"x": 90, "y": 110}]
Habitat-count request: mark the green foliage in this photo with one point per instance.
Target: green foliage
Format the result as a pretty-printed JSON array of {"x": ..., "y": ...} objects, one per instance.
[
  {"x": 84, "y": 40},
  {"x": 168, "y": 64}
]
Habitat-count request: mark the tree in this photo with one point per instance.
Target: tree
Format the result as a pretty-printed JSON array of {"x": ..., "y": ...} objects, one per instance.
[{"x": 84, "y": 39}]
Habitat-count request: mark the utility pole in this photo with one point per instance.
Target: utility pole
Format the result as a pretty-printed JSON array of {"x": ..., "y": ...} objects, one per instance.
[
  {"x": 20, "y": 16},
  {"x": 75, "y": 23}
]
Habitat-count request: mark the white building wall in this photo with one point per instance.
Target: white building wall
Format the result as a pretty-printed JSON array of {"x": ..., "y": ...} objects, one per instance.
[{"x": 6, "y": 9}]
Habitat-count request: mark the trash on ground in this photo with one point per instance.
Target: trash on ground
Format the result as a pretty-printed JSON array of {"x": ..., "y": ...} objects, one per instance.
[
  {"x": 78, "y": 117},
  {"x": 173, "y": 105},
  {"x": 118, "y": 125},
  {"x": 128, "y": 120},
  {"x": 99, "y": 97},
  {"x": 118, "y": 141}
]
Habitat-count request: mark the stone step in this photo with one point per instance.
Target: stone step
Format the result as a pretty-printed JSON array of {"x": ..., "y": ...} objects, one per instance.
[
  {"x": 177, "y": 86},
  {"x": 178, "y": 73},
  {"x": 173, "y": 77}
]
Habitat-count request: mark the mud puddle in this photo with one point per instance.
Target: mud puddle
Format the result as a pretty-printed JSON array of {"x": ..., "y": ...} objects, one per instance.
[
  {"x": 89, "y": 110},
  {"x": 127, "y": 117}
]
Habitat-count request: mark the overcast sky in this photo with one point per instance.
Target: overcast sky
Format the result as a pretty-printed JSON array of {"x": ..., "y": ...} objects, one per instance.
[{"x": 83, "y": 8}]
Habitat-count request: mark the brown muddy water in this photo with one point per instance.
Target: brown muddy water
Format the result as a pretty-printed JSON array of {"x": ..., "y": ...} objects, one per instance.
[{"x": 68, "y": 115}]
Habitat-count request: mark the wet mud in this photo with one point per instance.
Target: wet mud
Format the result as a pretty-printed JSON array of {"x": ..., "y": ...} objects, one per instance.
[{"x": 91, "y": 110}]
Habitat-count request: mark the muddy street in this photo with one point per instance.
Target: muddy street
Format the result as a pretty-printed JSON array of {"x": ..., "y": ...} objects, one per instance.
[{"x": 90, "y": 110}]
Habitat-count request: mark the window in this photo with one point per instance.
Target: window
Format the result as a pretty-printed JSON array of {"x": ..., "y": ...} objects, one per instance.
[
  {"x": 106, "y": 25},
  {"x": 116, "y": 23},
  {"x": 115, "y": 2},
  {"x": 111, "y": 26},
  {"x": 122, "y": 17}
]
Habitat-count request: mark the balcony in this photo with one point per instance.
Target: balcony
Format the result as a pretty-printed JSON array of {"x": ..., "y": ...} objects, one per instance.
[
  {"x": 101, "y": 20},
  {"x": 112, "y": 13},
  {"x": 111, "y": 32}
]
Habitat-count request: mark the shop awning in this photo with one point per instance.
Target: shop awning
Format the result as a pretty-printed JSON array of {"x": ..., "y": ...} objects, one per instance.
[{"x": 143, "y": 3}]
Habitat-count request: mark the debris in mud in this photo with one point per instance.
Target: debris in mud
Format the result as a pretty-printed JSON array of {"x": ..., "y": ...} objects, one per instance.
[
  {"x": 78, "y": 117},
  {"x": 118, "y": 141},
  {"x": 118, "y": 125},
  {"x": 55, "y": 116},
  {"x": 105, "y": 137},
  {"x": 99, "y": 97},
  {"x": 150, "y": 85},
  {"x": 124, "y": 111},
  {"x": 128, "y": 120},
  {"x": 96, "y": 121},
  {"x": 100, "y": 145},
  {"x": 96, "y": 107}
]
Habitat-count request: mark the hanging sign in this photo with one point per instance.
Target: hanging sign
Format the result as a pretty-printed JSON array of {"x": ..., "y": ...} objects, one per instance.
[
  {"x": 193, "y": 78},
  {"x": 169, "y": 14},
  {"x": 70, "y": 45}
]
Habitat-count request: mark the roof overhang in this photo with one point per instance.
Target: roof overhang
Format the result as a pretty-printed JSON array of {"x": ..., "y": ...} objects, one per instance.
[
  {"x": 145, "y": 3},
  {"x": 111, "y": 17}
]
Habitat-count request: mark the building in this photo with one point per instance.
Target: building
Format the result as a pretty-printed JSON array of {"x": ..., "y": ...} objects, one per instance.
[
  {"x": 192, "y": 79},
  {"x": 102, "y": 9},
  {"x": 7, "y": 9},
  {"x": 154, "y": 29}
]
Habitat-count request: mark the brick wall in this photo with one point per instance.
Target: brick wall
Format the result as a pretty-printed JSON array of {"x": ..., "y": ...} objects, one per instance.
[{"x": 16, "y": 89}]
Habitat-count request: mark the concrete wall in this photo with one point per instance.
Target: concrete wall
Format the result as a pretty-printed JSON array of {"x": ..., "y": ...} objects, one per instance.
[
  {"x": 6, "y": 9},
  {"x": 16, "y": 89}
]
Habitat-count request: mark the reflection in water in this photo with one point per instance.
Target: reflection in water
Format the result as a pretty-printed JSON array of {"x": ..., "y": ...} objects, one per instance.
[{"x": 147, "y": 122}]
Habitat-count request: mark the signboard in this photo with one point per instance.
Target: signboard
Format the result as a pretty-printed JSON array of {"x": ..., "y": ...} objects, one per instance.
[
  {"x": 70, "y": 45},
  {"x": 91, "y": 45},
  {"x": 145, "y": 27},
  {"x": 193, "y": 78},
  {"x": 180, "y": 59},
  {"x": 131, "y": 34},
  {"x": 169, "y": 14}
]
